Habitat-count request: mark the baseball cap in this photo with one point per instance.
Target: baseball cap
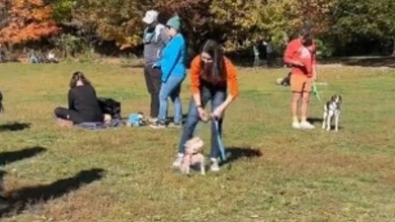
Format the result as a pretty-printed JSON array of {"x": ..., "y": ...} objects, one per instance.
[{"x": 150, "y": 17}]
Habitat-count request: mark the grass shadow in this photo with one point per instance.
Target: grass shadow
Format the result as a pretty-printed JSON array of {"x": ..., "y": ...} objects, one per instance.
[
  {"x": 235, "y": 153},
  {"x": 319, "y": 121},
  {"x": 22, "y": 198},
  {"x": 133, "y": 66},
  {"x": 183, "y": 118},
  {"x": 15, "y": 126},
  {"x": 333, "y": 127},
  {"x": 315, "y": 120},
  {"x": 12, "y": 156},
  {"x": 371, "y": 62}
]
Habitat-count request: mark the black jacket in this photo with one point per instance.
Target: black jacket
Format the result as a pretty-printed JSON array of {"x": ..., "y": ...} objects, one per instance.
[{"x": 83, "y": 100}]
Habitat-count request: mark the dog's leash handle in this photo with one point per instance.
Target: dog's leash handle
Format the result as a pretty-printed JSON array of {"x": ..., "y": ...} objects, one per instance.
[{"x": 220, "y": 145}]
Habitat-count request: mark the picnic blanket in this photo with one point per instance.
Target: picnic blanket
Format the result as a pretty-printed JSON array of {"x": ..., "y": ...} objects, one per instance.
[{"x": 115, "y": 123}]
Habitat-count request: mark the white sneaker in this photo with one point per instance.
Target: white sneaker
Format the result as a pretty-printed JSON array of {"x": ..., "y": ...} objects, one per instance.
[
  {"x": 306, "y": 125},
  {"x": 296, "y": 125},
  {"x": 152, "y": 120},
  {"x": 177, "y": 163},
  {"x": 157, "y": 125},
  {"x": 214, "y": 165}
]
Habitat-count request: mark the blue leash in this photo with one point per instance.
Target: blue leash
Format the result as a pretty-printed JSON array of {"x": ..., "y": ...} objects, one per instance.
[{"x": 219, "y": 140}]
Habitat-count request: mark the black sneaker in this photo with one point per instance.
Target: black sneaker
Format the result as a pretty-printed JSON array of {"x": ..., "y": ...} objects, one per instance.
[{"x": 157, "y": 125}]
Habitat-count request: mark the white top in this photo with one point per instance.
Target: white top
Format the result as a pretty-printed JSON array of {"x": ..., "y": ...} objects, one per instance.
[{"x": 269, "y": 47}]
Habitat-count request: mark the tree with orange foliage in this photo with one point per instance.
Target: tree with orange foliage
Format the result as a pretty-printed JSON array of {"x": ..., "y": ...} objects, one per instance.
[
  {"x": 120, "y": 20},
  {"x": 26, "y": 20}
]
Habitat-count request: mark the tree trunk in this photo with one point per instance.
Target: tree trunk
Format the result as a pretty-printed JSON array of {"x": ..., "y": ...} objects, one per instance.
[
  {"x": 10, "y": 48},
  {"x": 393, "y": 46},
  {"x": 285, "y": 38}
]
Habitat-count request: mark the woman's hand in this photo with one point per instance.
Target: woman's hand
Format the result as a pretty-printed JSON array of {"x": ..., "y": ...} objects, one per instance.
[
  {"x": 203, "y": 115},
  {"x": 217, "y": 113},
  {"x": 297, "y": 63}
]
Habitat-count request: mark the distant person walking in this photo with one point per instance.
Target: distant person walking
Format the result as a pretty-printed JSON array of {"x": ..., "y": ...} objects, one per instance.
[
  {"x": 269, "y": 51},
  {"x": 155, "y": 38},
  {"x": 256, "y": 55}
]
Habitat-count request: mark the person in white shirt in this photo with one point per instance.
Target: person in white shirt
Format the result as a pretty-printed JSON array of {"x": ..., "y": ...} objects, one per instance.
[{"x": 256, "y": 53}]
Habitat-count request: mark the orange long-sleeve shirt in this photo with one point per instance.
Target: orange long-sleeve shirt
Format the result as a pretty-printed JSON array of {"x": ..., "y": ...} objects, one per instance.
[{"x": 230, "y": 74}]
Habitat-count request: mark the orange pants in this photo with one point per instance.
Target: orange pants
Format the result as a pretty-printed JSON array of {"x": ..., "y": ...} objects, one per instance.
[{"x": 301, "y": 83}]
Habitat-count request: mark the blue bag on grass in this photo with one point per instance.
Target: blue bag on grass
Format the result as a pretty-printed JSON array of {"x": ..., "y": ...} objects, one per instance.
[{"x": 136, "y": 119}]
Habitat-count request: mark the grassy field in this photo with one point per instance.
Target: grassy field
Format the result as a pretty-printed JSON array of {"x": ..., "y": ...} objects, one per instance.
[{"x": 275, "y": 173}]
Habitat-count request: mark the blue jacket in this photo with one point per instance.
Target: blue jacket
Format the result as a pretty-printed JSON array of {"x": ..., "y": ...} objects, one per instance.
[{"x": 173, "y": 58}]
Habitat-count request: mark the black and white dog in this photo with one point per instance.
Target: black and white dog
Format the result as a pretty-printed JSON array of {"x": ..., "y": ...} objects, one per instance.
[{"x": 332, "y": 110}]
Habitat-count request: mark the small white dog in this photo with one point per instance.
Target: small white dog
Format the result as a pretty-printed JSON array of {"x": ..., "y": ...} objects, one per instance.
[
  {"x": 193, "y": 156},
  {"x": 332, "y": 110}
]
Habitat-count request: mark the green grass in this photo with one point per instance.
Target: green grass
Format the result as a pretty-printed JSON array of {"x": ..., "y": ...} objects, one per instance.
[{"x": 300, "y": 176}]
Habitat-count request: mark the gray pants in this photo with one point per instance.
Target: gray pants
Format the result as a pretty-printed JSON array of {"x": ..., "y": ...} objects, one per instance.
[{"x": 153, "y": 82}]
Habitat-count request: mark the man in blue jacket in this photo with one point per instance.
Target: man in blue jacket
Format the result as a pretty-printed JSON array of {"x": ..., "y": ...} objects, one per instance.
[{"x": 155, "y": 38}]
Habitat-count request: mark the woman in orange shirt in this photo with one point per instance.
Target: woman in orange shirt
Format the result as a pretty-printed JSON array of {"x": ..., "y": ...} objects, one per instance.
[{"x": 211, "y": 75}]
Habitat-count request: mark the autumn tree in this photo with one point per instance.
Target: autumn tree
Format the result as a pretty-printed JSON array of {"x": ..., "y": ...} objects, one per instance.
[
  {"x": 364, "y": 20},
  {"x": 235, "y": 23},
  {"x": 121, "y": 20},
  {"x": 116, "y": 20},
  {"x": 26, "y": 20},
  {"x": 197, "y": 23}
]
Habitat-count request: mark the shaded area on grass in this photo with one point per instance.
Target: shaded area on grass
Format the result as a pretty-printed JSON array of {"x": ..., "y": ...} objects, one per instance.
[
  {"x": 15, "y": 126},
  {"x": 236, "y": 153},
  {"x": 371, "y": 62},
  {"x": 363, "y": 61},
  {"x": 22, "y": 198},
  {"x": 321, "y": 176},
  {"x": 12, "y": 156},
  {"x": 314, "y": 120},
  {"x": 138, "y": 65}
]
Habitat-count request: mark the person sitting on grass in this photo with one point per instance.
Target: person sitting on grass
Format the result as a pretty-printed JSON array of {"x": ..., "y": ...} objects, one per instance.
[
  {"x": 212, "y": 75},
  {"x": 83, "y": 103}
]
